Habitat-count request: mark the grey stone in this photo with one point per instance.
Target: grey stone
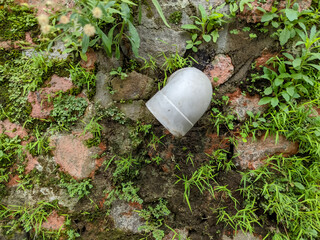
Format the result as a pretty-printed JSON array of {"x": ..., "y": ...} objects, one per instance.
[
  {"x": 155, "y": 41},
  {"x": 125, "y": 217},
  {"x": 18, "y": 196},
  {"x": 103, "y": 96},
  {"x": 106, "y": 64},
  {"x": 56, "y": 52},
  {"x": 136, "y": 110},
  {"x": 156, "y": 37},
  {"x": 135, "y": 86},
  {"x": 119, "y": 139}
]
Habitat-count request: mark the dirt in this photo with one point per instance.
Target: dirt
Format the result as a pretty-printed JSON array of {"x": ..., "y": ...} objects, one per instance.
[{"x": 160, "y": 182}]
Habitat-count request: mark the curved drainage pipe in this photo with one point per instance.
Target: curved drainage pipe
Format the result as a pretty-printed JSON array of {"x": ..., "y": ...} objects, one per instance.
[{"x": 182, "y": 102}]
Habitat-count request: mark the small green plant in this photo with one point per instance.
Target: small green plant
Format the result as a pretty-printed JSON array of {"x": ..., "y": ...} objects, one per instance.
[
  {"x": 286, "y": 20},
  {"x": 95, "y": 129},
  {"x": 11, "y": 151},
  {"x": 207, "y": 25},
  {"x": 220, "y": 159},
  {"x": 175, "y": 62},
  {"x": 115, "y": 114},
  {"x": 76, "y": 188},
  {"x": 201, "y": 178},
  {"x": 193, "y": 43},
  {"x": 138, "y": 134},
  {"x": 82, "y": 78},
  {"x": 94, "y": 21},
  {"x": 67, "y": 110},
  {"x": 154, "y": 217},
  {"x": 28, "y": 217},
  {"x": 155, "y": 141},
  {"x": 118, "y": 72},
  {"x": 127, "y": 192},
  {"x": 40, "y": 145},
  {"x": 252, "y": 35},
  {"x": 218, "y": 118},
  {"x": 234, "y": 31},
  {"x": 125, "y": 167},
  {"x": 295, "y": 76},
  {"x": 175, "y": 17}
]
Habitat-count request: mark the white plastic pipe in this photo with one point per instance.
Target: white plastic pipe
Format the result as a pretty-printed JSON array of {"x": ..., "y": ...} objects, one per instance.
[{"x": 182, "y": 102}]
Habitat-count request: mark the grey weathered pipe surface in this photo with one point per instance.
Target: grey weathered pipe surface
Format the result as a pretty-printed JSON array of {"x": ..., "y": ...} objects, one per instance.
[{"x": 182, "y": 102}]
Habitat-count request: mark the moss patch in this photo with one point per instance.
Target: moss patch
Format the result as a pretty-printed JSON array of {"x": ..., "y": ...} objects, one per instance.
[{"x": 15, "y": 21}]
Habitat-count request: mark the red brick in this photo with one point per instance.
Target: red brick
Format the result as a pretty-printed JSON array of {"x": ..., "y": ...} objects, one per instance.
[
  {"x": 240, "y": 104},
  {"x": 41, "y": 107},
  {"x": 254, "y": 15},
  {"x": 262, "y": 60},
  {"x": 91, "y": 60},
  {"x": 13, "y": 181},
  {"x": 54, "y": 222},
  {"x": 252, "y": 153},
  {"x": 12, "y": 130},
  {"x": 73, "y": 156},
  {"x": 220, "y": 70}
]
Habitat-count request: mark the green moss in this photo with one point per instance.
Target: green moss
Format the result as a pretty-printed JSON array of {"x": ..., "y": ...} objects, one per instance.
[
  {"x": 175, "y": 17},
  {"x": 15, "y": 21}
]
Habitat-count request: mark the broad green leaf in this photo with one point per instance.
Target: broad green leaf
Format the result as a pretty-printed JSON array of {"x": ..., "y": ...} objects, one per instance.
[
  {"x": 278, "y": 81},
  {"x": 255, "y": 124},
  {"x": 284, "y": 75},
  {"x": 129, "y": 2},
  {"x": 203, "y": 13},
  {"x": 291, "y": 14},
  {"x": 117, "y": 53},
  {"x": 194, "y": 37},
  {"x": 308, "y": 80},
  {"x": 302, "y": 35},
  {"x": 315, "y": 66},
  {"x": 275, "y": 24},
  {"x": 250, "y": 114},
  {"x": 134, "y": 39},
  {"x": 268, "y": 91},
  {"x": 83, "y": 56},
  {"x": 297, "y": 76},
  {"x": 299, "y": 185},
  {"x": 106, "y": 41},
  {"x": 313, "y": 32},
  {"x": 215, "y": 36},
  {"x": 264, "y": 100},
  {"x": 292, "y": 33},
  {"x": 274, "y": 102},
  {"x": 85, "y": 43},
  {"x": 314, "y": 56},
  {"x": 268, "y": 16},
  {"x": 285, "y": 96},
  {"x": 206, "y": 37},
  {"x": 159, "y": 9},
  {"x": 190, "y": 45},
  {"x": 296, "y": 63},
  {"x": 291, "y": 91},
  {"x": 284, "y": 36},
  {"x": 289, "y": 56},
  {"x": 190, "y": 26},
  {"x": 125, "y": 11}
]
